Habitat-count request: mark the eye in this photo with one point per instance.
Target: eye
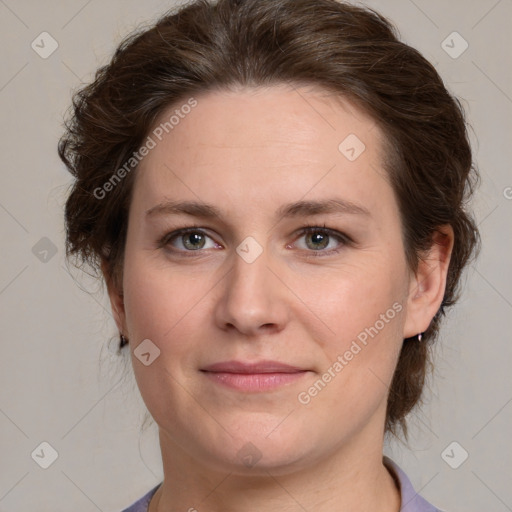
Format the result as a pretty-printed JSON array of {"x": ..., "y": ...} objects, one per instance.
[
  {"x": 188, "y": 240},
  {"x": 318, "y": 241},
  {"x": 322, "y": 240}
]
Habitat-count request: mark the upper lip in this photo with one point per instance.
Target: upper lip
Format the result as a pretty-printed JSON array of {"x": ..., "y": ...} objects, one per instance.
[{"x": 257, "y": 367}]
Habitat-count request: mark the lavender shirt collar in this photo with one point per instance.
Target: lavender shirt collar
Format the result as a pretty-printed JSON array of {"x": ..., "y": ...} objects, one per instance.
[{"x": 411, "y": 501}]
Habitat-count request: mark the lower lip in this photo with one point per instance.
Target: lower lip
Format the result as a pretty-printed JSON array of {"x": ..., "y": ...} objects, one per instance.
[{"x": 255, "y": 381}]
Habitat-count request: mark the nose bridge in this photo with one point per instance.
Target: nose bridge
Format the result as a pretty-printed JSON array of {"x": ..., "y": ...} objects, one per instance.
[
  {"x": 252, "y": 296},
  {"x": 249, "y": 278},
  {"x": 250, "y": 268}
]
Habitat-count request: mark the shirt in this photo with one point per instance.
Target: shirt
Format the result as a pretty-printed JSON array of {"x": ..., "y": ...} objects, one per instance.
[{"x": 411, "y": 500}]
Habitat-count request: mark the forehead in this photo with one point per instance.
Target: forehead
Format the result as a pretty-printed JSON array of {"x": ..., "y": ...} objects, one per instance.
[{"x": 262, "y": 142}]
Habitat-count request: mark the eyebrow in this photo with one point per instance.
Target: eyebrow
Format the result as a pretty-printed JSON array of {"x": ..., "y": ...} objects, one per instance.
[{"x": 296, "y": 209}]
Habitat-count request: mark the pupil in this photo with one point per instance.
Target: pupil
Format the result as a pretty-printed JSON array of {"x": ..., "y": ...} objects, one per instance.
[
  {"x": 192, "y": 239},
  {"x": 319, "y": 239}
]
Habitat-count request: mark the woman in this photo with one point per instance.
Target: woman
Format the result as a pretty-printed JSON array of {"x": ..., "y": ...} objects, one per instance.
[{"x": 274, "y": 191}]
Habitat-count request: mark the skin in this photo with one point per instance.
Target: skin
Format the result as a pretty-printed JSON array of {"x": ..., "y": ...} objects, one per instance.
[{"x": 248, "y": 152}]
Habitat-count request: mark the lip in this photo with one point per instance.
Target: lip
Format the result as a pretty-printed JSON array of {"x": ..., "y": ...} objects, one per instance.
[
  {"x": 251, "y": 368},
  {"x": 253, "y": 377}
]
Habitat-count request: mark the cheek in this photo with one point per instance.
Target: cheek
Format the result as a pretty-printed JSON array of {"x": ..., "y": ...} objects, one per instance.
[
  {"x": 169, "y": 307},
  {"x": 164, "y": 307},
  {"x": 349, "y": 300},
  {"x": 156, "y": 299},
  {"x": 363, "y": 308}
]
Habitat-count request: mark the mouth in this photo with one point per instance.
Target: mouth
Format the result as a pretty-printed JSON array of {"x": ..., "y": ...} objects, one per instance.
[{"x": 253, "y": 377}]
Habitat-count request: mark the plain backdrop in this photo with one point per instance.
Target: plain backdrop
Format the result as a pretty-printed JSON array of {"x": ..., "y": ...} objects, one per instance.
[{"x": 61, "y": 382}]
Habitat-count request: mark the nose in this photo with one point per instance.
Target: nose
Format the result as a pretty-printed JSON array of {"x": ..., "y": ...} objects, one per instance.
[{"x": 253, "y": 298}]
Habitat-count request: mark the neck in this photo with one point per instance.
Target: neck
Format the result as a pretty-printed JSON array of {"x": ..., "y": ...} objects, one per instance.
[{"x": 352, "y": 478}]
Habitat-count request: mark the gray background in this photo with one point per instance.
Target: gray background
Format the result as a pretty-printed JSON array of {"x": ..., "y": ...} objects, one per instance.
[{"x": 61, "y": 383}]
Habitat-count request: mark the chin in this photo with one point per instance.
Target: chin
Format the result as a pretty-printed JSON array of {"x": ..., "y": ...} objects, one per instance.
[
  {"x": 252, "y": 453},
  {"x": 250, "y": 461}
]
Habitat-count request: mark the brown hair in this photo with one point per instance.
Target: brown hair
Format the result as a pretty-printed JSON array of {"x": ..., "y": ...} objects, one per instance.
[{"x": 349, "y": 50}]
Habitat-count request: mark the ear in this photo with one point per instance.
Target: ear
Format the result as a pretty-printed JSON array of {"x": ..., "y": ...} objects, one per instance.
[
  {"x": 428, "y": 283},
  {"x": 115, "y": 294}
]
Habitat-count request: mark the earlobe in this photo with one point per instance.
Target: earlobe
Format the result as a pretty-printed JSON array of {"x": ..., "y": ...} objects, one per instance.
[{"x": 428, "y": 283}]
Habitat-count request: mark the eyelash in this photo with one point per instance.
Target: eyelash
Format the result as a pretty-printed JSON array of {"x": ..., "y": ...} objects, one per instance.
[{"x": 344, "y": 239}]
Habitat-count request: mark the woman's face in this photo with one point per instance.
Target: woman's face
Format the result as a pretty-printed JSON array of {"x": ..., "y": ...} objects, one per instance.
[{"x": 246, "y": 172}]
